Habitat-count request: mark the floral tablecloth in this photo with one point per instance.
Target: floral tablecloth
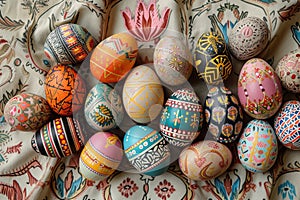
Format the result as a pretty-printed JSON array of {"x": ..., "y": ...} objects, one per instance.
[{"x": 24, "y": 26}]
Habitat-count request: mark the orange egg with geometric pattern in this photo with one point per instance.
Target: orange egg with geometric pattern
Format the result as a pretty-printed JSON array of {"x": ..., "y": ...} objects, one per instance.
[
  {"x": 65, "y": 90},
  {"x": 113, "y": 58}
]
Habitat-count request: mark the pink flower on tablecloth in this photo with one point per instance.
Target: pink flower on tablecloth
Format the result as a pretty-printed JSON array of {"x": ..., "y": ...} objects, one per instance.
[
  {"x": 147, "y": 24},
  {"x": 164, "y": 189},
  {"x": 127, "y": 187}
]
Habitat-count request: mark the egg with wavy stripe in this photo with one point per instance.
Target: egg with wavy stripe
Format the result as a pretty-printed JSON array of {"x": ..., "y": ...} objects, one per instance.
[
  {"x": 103, "y": 107},
  {"x": 101, "y": 156},
  {"x": 257, "y": 146},
  {"x": 287, "y": 125},
  {"x": 182, "y": 118},
  {"x": 58, "y": 138},
  {"x": 27, "y": 112},
  {"x": 143, "y": 94},
  {"x": 146, "y": 150},
  {"x": 259, "y": 89},
  {"x": 205, "y": 160}
]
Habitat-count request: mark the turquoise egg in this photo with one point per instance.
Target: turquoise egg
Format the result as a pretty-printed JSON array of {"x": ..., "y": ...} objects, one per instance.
[
  {"x": 146, "y": 150},
  {"x": 182, "y": 118},
  {"x": 103, "y": 108},
  {"x": 257, "y": 147}
]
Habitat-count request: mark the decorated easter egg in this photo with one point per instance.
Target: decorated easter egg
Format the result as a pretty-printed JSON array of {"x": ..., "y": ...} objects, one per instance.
[
  {"x": 211, "y": 58},
  {"x": 113, "y": 57},
  {"x": 69, "y": 44},
  {"x": 65, "y": 90},
  {"x": 257, "y": 147},
  {"x": 288, "y": 70},
  {"x": 146, "y": 150},
  {"x": 27, "y": 112},
  {"x": 143, "y": 95},
  {"x": 287, "y": 125},
  {"x": 248, "y": 38},
  {"x": 182, "y": 118},
  {"x": 205, "y": 160},
  {"x": 58, "y": 138},
  {"x": 223, "y": 114},
  {"x": 101, "y": 156},
  {"x": 259, "y": 89},
  {"x": 172, "y": 60},
  {"x": 103, "y": 107}
]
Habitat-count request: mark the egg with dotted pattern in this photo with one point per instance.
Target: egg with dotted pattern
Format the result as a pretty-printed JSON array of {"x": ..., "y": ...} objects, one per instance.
[
  {"x": 61, "y": 137},
  {"x": 259, "y": 89},
  {"x": 248, "y": 38}
]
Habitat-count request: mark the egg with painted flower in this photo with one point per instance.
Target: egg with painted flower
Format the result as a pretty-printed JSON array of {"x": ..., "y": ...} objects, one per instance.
[
  {"x": 58, "y": 138},
  {"x": 69, "y": 44},
  {"x": 223, "y": 115},
  {"x": 101, "y": 156},
  {"x": 182, "y": 118},
  {"x": 146, "y": 150},
  {"x": 103, "y": 107},
  {"x": 205, "y": 160},
  {"x": 257, "y": 146},
  {"x": 259, "y": 89},
  {"x": 27, "y": 112}
]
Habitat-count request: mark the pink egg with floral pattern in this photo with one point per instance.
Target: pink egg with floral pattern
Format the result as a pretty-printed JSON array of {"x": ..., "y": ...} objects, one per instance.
[
  {"x": 259, "y": 89},
  {"x": 205, "y": 160}
]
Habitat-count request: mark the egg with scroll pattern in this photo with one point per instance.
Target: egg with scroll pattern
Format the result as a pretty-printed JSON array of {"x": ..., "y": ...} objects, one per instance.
[
  {"x": 27, "y": 112},
  {"x": 114, "y": 57},
  {"x": 259, "y": 89},
  {"x": 60, "y": 137},
  {"x": 69, "y": 44},
  {"x": 143, "y": 94},
  {"x": 257, "y": 146},
  {"x": 65, "y": 90},
  {"x": 146, "y": 150},
  {"x": 205, "y": 160}
]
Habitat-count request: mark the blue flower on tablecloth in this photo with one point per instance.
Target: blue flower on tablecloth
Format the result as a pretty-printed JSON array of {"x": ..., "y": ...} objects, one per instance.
[
  {"x": 287, "y": 190},
  {"x": 296, "y": 32}
]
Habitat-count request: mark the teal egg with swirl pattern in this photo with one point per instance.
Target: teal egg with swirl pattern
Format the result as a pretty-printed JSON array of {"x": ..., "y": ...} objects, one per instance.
[
  {"x": 103, "y": 108},
  {"x": 146, "y": 150},
  {"x": 182, "y": 118}
]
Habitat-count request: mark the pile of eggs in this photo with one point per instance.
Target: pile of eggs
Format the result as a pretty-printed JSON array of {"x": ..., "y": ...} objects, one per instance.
[{"x": 166, "y": 115}]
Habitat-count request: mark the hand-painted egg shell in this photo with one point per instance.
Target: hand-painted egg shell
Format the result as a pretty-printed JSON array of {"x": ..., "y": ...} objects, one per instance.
[
  {"x": 103, "y": 107},
  {"x": 288, "y": 70},
  {"x": 211, "y": 58},
  {"x": 65, "y": 90},
  {"x": 287, "y": 125},
  {"x": 172, "y": 61},
  {"x": 27, "y": 112},
  {"x": 182, "y": 118},
  {"x": 205, "y": 160},
  {"x": 146, "y": 150},
  {"x": 58, "y": 138},
  {"x": 101, "y": 156},
  {"x": 248, "y": 38},
  {"x": 259, "y": 89},
  {"x": 223, "y": 115},
  {"x": 257, "y": 147},
  {"x": 143, "y": 95},
  {"x": 69, "y": 44},
  {"x": 113, "y": 58}
]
